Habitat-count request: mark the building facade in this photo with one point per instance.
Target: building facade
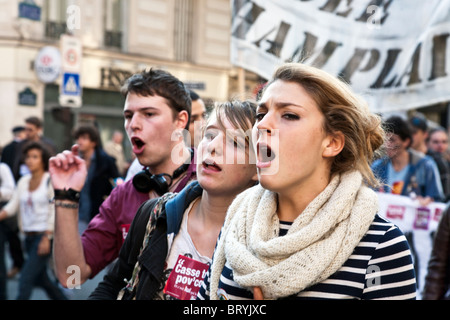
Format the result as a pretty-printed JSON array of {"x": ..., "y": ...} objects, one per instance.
[{"x": 189, "y": 38}]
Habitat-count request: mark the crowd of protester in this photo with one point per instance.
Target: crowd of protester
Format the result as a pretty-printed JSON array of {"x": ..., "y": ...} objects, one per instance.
[{"x": 271, "y": 198}]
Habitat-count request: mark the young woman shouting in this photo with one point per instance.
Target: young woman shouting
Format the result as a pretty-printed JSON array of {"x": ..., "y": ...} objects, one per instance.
[
  {"x": 171, "y": 232},
  {"x": 310, "y": 230}
]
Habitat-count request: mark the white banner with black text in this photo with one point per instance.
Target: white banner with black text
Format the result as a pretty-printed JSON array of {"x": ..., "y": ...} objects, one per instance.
[{"x": 393, "y": 52}]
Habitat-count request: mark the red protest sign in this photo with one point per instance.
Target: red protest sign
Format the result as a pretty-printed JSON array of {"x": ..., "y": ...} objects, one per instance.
[{"x": 186, "y": 278}]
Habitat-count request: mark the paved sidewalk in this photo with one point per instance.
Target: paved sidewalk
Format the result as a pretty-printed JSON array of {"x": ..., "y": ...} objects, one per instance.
[{"x": 39, "y": 294}]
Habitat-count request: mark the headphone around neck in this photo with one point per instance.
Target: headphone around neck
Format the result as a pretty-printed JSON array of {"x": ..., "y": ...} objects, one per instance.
[{"x": 145, "y": 181}]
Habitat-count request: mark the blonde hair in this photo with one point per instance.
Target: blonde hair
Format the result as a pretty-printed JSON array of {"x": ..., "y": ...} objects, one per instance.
[{"x": 344, "y": 112}]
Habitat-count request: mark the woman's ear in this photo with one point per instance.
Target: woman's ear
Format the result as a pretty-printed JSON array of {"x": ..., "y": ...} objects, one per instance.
[{"x": 334, "y": 144}]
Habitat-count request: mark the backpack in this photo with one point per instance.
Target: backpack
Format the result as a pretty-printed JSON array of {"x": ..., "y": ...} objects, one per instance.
[{"x": 155, "y": 207}]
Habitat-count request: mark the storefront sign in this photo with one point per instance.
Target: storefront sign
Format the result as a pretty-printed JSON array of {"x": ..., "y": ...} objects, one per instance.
[
  {"x": 195, "y": 85},
  {"x": 113, "y": 78},
  {"x": 47, "y": 64}
]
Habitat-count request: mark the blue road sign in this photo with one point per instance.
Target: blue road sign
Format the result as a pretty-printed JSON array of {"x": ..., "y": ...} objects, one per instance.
[{"x": 71, "y": 84}]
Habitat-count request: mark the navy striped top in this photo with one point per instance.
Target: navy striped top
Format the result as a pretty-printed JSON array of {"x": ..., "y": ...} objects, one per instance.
[{"x": 380, "y": 267}]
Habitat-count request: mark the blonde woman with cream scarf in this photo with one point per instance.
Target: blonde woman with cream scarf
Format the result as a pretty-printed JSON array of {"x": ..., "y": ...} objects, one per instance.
[{"x": 310, "y": 230}]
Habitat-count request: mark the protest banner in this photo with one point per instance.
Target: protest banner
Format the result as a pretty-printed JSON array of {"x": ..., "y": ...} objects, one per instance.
[
  {"x": 394, "y": 53},
  {"x": 419, "y": 225}
]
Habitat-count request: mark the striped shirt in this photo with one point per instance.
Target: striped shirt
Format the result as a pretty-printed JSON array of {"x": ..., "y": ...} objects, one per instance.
[{"x": 380, "y": 267}]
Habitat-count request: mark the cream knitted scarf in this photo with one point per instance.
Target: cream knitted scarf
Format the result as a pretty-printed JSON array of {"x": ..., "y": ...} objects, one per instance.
[{"x": 318, "y": 243}]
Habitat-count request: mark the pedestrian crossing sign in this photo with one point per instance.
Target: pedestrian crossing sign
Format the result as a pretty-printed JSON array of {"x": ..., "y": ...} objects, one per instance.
[
  {"x": 71, "y": 84},
  {"x": 70, "y": 90}
]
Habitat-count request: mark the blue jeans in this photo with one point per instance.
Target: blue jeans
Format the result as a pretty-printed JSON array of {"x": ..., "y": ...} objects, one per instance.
[
  {"x": 3, "y": 295},
  {"x": 35, "y": 272}
]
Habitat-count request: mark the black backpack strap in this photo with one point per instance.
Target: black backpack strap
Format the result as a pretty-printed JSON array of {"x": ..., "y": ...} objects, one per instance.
[{"x": 149, "y": 211}]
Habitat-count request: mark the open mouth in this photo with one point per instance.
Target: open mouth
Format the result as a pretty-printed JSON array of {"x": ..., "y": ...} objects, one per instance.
[
  {"x": 265, "y": 154},
  {"x": 137, "y": 143},
  {"x": 211, "y": 165}
]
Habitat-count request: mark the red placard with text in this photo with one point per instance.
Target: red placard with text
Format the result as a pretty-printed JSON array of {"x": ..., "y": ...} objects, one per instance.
[{"x": 186, "y": 278}]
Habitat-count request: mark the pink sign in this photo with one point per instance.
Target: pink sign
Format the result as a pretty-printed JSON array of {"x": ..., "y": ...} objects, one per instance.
[
  {"x": 186, "y": 278},
  {"x": 125, "y": 228},
  {"x": 395, "y": 211},
  {"x": 422, "y": 218}
]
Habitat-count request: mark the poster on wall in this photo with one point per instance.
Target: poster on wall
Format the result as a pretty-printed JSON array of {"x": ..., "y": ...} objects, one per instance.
[{"x": 395, "y": 53}]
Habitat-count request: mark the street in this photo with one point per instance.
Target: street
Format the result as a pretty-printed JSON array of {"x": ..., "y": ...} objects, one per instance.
[{"x": 39, "y": 294}]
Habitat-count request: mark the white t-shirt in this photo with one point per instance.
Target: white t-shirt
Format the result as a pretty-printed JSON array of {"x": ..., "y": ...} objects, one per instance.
[
  {"x": 36, "y": 211},
  {"x": 182, "y": 245}
]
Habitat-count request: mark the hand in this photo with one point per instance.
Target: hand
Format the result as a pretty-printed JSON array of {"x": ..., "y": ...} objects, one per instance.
[
  {"x": 424, "y": 201},
  {"x": 257, "y": 294},
  {"x": 67, "y": 170},
  {"x": 44, "y": 246}
]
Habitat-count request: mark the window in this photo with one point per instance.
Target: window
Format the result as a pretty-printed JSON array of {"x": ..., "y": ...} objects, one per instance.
[
  {"x": 55, "y": 18},
  {"x": 183, "y": 30},
  {"x": 113, "y": 23}
]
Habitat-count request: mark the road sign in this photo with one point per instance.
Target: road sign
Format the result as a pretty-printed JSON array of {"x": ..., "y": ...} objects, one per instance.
[
  {"x": 70, "y": 90},
  {"x": 71, "y": 52},
  {"x": 71, "y": 84},
  {"x": 71, "y": 56}
]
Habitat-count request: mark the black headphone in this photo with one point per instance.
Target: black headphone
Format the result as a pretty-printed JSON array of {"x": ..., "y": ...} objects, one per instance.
[{"x": 145, "y": 181}]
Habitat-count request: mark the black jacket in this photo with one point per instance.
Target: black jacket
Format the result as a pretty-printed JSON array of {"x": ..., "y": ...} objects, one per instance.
[
  {"x": 101, "y": 183},
  {"x": 9, "y": 154},
  {"x": 437, "y": 281},
  {"x": 153, "y": 257}
]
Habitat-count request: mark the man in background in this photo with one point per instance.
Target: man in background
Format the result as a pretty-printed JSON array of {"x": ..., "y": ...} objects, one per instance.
[
  {"x": 101, "y": 170},
  {"x": 404, "y": 170},
  {"x": 437, "y": 143},
  {"x": 9, "y": 152},
  {"x": 114, "y": 148},
  {"x": 197, "y": 118},
  {"x": 33, "y": 132},
  {"x": 421, "y": 142}
]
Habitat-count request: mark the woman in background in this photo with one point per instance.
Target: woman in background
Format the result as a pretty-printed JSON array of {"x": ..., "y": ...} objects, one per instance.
[{"x": 32, "y": 200}]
